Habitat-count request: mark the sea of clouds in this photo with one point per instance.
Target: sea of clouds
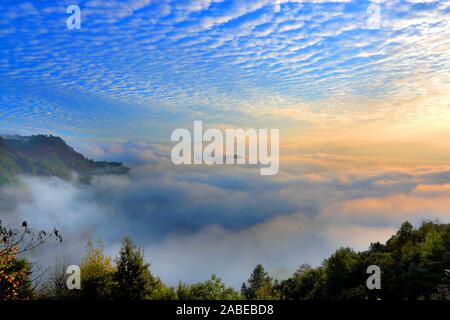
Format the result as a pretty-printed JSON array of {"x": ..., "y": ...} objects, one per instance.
[{"x": 193, "y": 221}]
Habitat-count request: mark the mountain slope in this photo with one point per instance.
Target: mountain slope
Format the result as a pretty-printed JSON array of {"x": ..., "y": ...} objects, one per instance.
[{"x": 42, "y": 155}]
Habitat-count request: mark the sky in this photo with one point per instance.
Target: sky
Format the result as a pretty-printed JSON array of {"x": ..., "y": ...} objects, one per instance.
[
  {"x": 359, "y": 91},
  {"x": 141, "y": 68}
]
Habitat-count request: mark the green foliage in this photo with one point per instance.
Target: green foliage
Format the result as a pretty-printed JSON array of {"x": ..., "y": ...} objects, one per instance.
[
  {"x": 15, "y": 277},
  {"x": 48, "y": 156},
  {"x": 162, "y": 292},
  {"x": 300, "y": 286},
  {"x": 97, "y": 273},
  {"x": 16, "y": 280},
  {"x": 8, "y": 166},
  {"x": 259, "y": 286},
  {"x": 212, "y": 289},
  {"x": 412, "y": 262},
  {"x": 101, "y": 279},
  {"x": 133, "y": 279},
  {"x": 342, "y": 277}
]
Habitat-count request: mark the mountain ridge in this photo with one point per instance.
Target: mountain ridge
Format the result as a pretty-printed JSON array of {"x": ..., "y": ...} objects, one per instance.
[{"x": 47, "y": 155}]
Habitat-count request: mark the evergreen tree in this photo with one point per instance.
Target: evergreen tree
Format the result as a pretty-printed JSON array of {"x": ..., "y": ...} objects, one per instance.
[
  {"x": 342, "y": 277},
  {"x": 259, "y": 286},
  {"x": 133, "y": 279}
]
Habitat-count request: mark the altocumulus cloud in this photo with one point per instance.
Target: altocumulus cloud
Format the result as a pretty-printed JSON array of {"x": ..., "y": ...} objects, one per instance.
[
  {"x": 194, "y": 221},
  {"x": 227, "y": 60}
]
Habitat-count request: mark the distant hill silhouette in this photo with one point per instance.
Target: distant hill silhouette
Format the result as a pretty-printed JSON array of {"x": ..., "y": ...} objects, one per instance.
[{"x": 42, "y": 155}]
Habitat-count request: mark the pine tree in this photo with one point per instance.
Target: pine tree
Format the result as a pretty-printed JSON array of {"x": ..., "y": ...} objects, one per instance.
[
  {"x": 133, "y": 279},
  {"x": 259, "y": 286}
]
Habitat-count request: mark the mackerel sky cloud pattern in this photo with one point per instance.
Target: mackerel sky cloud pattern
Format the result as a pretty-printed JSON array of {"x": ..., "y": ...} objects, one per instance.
[
  {"x": 363, "y": 108},
  {"x": 147, "y": 63}
]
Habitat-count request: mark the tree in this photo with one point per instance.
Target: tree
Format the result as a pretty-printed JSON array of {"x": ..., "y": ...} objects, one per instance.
[
  {"x": 301, "y": 285},
  {"x": 97, "y": 273},
  {"x": 343, "y": 277},
  {"x": 55, "y": 288},
  {"x": 133, "y": 279},
  {"x": 15, "y": 277},
  {"x": 21, "y": 240},
  {"x": 212, "y": 289},
  {"x": 16, "y": 280},
  {"x": 259, "y": 286},
  {"x": 416, "y": 261}
]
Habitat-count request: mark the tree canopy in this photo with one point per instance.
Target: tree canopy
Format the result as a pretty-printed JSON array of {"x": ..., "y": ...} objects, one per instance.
[{"x": 414, "y": 264}]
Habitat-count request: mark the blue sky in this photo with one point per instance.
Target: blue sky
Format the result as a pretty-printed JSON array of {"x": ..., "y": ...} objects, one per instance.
[
  {"x": 363, "y": 112},
  {"x": 138, "y": 69}
]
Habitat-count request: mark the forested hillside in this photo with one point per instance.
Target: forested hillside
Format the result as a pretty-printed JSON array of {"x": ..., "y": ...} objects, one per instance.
[{"x": 43, "y": 155}]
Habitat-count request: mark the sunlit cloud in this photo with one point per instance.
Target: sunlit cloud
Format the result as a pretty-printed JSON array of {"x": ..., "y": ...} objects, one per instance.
[
  {"x": 363, "y": 114},
  {"x": 189, "y": 214},
  {"x": 307, "y": 63}
]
